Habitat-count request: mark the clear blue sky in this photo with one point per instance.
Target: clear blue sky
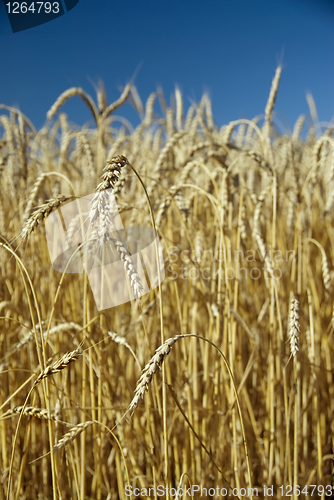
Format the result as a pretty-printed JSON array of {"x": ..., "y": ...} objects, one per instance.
[{"x": 228, "y": 48}]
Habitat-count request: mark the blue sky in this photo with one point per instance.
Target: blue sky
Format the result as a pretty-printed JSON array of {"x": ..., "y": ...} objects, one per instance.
[{"x": 227, "y": 48}]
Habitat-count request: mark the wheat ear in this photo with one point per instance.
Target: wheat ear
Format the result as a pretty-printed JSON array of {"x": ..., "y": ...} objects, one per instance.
[
  {"x": 135, "y": 281},
  {"x": 100, "y": 205},
  {"x": 136, "y": 100},
  {"x": 111, "y": 172},
  {"x": 102, "y": 101},
  {"x": 71, "y": 434},
  {"x": 67, "y": 95},
  {"x": 33, "y": 196},
  {"x": 30, "y": 411},
  {"x": 100, "y": 211},
  {"x": 121, "y": 341},
  {"x": 151, "y": 368},
  {"x": 199, "y": 246},
  {"x": 59, "y": 365},
  {"x": 326, "y": 275},
  {"x": 179, "y": 108},
  {"x": 272, "y": 96},
  {"x": 164, "y": 152},
  {"x": 298, "y": 128},
  {"x": 121, "y": 100},
  {"x": 88, "y": 153},
  {"x": 227, "y": 131},
  {"x": 165, "y": 204},
  {"x": 41, "y": 213},
  {"x": 294, "y": 327}
]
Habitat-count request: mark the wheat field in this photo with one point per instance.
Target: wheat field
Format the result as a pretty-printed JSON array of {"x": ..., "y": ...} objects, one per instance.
[{"x": 222, "y": 376}]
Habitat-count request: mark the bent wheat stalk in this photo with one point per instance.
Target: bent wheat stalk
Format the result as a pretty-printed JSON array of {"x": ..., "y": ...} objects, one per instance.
[
  {"x": 155, "y": 364},
  {"x": 67, "y": 95}
]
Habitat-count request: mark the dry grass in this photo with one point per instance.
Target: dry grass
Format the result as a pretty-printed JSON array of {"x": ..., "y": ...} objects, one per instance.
[{"x": 244, "y": 216}]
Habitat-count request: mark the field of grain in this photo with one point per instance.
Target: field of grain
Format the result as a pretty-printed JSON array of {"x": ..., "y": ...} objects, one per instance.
[{"x": 222, "y": 376}]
